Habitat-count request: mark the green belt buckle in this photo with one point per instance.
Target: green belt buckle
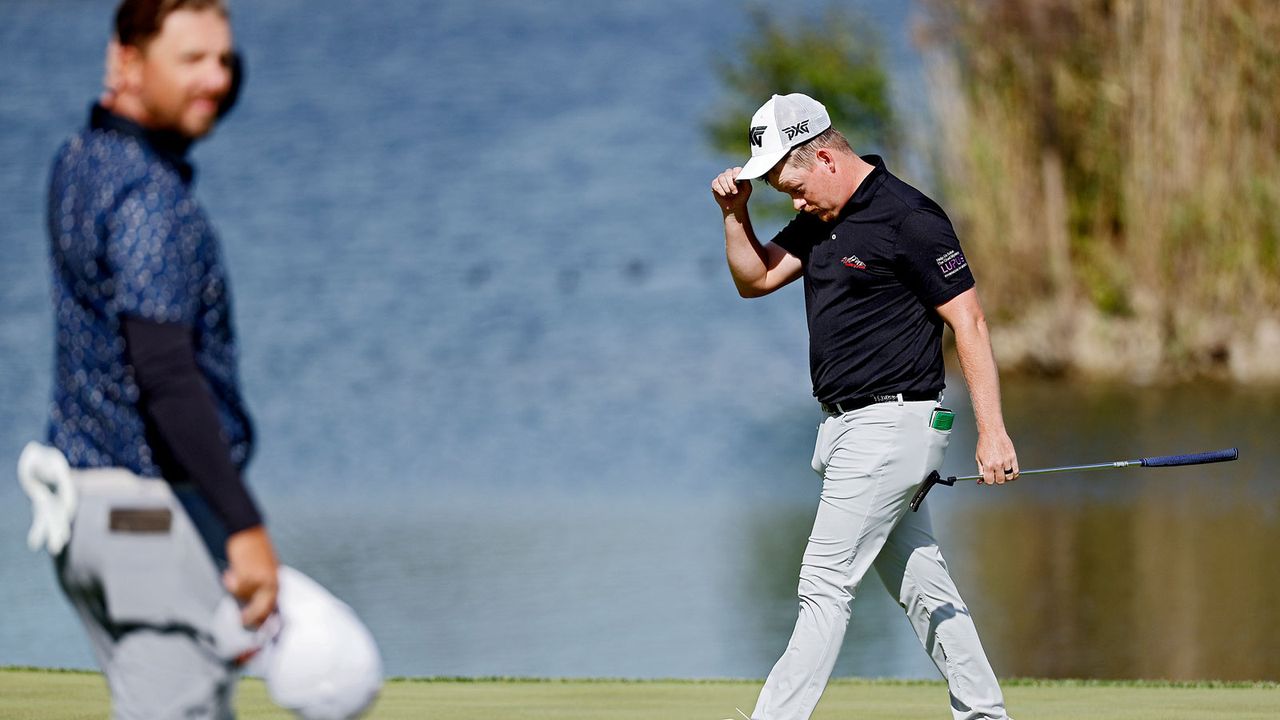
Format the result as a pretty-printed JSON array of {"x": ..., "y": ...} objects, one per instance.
[{"x": 942, "y": 419}]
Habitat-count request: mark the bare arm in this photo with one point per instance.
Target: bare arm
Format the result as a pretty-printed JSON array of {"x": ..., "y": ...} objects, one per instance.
[
  {"x": 995, "y": 451},
  {"x": 757, "y": 269}
]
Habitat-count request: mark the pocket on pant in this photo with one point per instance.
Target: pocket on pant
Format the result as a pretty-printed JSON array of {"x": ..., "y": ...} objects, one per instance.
[
  {"x": 140, "y": 577},
  {"x": 937, "y": 442},
  {"x": 818, "y": 462}
]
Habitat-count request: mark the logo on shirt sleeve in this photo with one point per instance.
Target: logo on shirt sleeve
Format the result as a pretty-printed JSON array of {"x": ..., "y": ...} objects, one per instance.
[{"x": 951, "y": 263}]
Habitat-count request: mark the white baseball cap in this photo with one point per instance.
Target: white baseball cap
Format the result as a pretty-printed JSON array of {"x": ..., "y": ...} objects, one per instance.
[
  {"x": 318, "y": 660},
  {"x": 779, "y": 125}
]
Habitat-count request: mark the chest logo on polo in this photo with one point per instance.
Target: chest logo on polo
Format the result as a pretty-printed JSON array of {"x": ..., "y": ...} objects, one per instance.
[
  {"x": 800, "y": 127},
  {"x": 757, "y": 135},
  {"x": 951, "y": 263},
  {"x": 854, "y": 262}
]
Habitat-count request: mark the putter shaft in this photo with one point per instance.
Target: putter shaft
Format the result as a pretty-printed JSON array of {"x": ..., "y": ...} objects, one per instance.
[
  {"x": 1064, "y": 468},
  {"x": 1158, "y": 461}
]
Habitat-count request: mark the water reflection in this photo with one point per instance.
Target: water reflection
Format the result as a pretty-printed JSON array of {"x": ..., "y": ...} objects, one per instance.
[
  {"x": 1163, "y": 586},
  {"x": 1138, "y": 573}
]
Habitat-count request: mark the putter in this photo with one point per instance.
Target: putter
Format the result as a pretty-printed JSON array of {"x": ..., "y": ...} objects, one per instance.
[{"x": 1158, "y": 461}]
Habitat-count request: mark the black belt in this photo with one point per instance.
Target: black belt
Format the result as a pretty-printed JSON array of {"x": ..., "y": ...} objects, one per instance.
[{"x": 858, "y": 403}]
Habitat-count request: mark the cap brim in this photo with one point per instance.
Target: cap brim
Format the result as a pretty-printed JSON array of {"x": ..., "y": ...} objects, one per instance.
[{"x": 759, "y": 165}]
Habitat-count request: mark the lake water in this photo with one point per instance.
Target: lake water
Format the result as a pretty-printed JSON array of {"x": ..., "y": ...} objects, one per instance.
[{"x": 511, "y": 409}]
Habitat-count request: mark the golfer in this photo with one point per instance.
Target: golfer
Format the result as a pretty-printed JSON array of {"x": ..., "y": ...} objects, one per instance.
[
  {"x": 882, "y": 272},
  {"x": 145, "y": 384}
]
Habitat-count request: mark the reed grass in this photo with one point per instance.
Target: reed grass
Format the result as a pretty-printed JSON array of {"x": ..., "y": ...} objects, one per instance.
[{"x": 1114, "y": 171}]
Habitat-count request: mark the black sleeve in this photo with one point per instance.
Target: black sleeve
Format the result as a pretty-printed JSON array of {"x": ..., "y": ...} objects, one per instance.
[
  {"x": 182, "y": 420},
  {"x": 798, "y": 236},
  {"x": 930, "y": 258}
]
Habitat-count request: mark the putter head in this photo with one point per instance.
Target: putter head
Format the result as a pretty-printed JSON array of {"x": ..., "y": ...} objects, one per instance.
[{"x": 933, "y": 479}]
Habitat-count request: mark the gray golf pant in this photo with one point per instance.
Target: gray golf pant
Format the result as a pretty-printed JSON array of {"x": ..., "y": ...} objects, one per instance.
[
  {"x": 871, "y": 461},
  {"x": 145, "y": 590}
]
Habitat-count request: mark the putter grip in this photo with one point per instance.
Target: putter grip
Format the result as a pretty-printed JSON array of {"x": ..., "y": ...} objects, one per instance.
[{"x": 1192, "y": 459}]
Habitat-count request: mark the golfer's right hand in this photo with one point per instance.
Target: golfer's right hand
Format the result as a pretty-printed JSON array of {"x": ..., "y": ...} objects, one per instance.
[
  {"x": 730, "y": 194},
  {"x": 251, "y": 577}
]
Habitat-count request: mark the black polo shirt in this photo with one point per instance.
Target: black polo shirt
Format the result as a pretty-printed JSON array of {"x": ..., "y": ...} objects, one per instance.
[{"x": 872, "y": 279}]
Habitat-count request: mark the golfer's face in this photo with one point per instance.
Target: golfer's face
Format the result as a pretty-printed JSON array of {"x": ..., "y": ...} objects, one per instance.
[
  {"x": 811, "y": 189},
  {"x": 186, "y": 71}
]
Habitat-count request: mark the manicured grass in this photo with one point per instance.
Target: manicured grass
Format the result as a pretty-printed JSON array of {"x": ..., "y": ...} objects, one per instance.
[{"x": 58, "y": 695}]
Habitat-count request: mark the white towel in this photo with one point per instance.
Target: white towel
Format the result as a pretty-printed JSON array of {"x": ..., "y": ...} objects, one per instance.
[
  {"x": 45, "y": 475},
  {"x": 317, "y": 658}
]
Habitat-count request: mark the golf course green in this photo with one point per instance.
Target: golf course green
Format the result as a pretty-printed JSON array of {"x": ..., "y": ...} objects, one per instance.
[{"x": 66, "y": 695}]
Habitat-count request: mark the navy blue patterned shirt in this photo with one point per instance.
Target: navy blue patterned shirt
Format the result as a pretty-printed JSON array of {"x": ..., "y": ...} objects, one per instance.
[{"x": 129, "y": 239}]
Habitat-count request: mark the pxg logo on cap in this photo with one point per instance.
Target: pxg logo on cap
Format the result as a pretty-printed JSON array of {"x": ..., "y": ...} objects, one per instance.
[{"x": 779, "y": 125}]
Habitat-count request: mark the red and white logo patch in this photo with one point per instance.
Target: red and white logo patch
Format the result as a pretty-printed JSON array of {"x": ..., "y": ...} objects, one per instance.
[{"x": 853, "y": 262}]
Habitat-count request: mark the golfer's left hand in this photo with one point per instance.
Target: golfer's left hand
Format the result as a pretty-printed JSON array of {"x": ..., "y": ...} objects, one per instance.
[
  {"x": 251, "y": 577},
  {"x": 997, "y": 460}
]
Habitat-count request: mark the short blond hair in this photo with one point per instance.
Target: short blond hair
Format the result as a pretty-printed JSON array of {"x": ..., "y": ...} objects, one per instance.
[{"x": 831, "y": 138}]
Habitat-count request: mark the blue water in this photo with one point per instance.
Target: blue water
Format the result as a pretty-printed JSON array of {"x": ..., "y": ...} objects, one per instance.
[{"x": 509, "y": 405}]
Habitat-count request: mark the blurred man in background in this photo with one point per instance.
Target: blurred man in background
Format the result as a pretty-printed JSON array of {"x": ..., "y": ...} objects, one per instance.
[{"x": 146, "y": 400}]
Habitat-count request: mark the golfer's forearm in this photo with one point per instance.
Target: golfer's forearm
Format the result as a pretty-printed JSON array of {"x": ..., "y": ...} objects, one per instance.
[
  {"x": 978, "y": 364},
  {"x": 748, "y": 262}
]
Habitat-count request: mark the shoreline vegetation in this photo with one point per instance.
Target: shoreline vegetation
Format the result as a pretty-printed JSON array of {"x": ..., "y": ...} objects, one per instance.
[
  {"x": 56, "y": 694},
  {"x": 1114, "y": 169}
]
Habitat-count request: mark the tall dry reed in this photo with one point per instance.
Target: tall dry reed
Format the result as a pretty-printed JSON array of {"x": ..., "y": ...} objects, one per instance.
[{"x": 1114, "y": 169}]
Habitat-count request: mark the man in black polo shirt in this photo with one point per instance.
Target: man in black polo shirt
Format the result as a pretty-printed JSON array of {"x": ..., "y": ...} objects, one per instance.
[{"x": 882, "y": 271}]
